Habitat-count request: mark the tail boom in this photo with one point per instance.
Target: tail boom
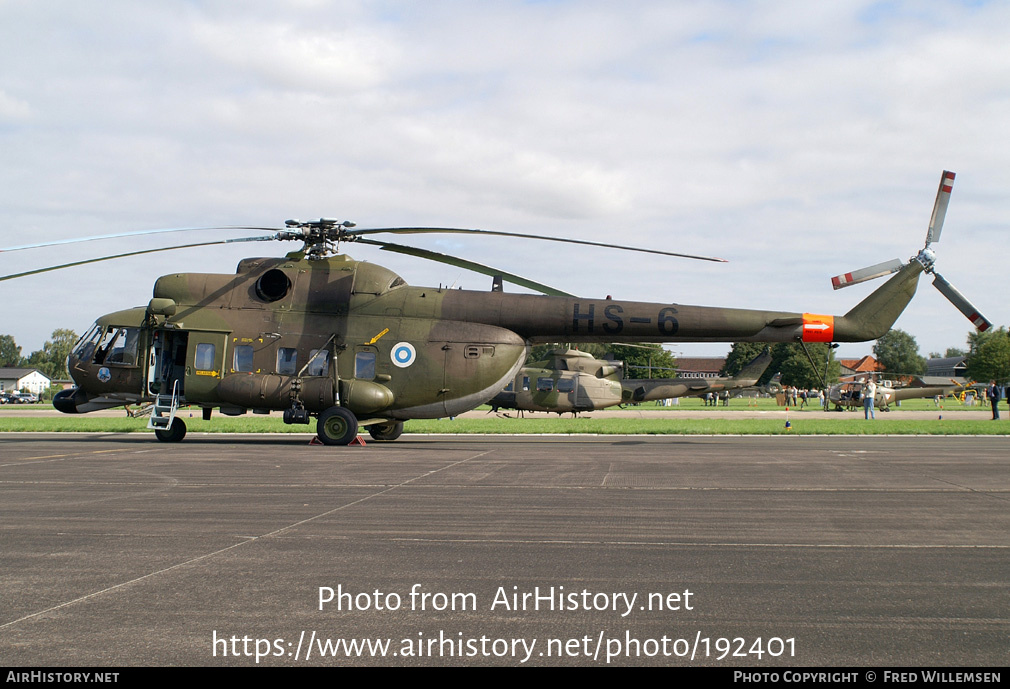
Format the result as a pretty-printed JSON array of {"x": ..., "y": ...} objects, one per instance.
[{"x": 568, "y": 319}]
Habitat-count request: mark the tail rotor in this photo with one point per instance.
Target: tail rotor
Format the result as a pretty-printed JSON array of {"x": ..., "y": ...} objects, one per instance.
[{"x": 926, "y": 257}]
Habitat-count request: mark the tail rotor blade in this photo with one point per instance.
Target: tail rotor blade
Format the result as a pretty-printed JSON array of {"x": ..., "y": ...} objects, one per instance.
[
  {"x": 940, "y": 207},
  {"x": 963, "y": 305},
  {"x": 864, "y": 274}
]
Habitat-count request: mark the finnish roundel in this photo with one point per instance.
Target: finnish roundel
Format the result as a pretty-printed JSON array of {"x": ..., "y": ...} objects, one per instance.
[{"x": 403, "y": 354}]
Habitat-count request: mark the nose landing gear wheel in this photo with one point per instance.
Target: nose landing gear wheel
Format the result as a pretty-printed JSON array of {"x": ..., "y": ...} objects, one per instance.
[
  {"x": 173, "y": 434},
  {"x": 337, "y": 426}
]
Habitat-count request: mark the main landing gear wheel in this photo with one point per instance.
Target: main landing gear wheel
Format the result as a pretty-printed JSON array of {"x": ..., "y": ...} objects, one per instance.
[
  {"x": 173, "y": 434},
  {"x": 386, "y": 431},
  {"x": 337, "y": 426}
]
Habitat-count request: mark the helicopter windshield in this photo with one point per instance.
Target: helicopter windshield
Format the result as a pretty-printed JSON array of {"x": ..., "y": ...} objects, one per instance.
[
  {"x": 109, "y": 345},
  {"x": 85, "y": 346}
]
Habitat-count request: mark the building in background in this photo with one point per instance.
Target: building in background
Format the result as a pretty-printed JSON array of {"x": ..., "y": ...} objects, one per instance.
[{"x": 17, "y": 379}]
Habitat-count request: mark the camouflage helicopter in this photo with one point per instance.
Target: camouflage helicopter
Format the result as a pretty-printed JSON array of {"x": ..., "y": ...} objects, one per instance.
[
  {"x": 850, "y": 395},
  {"x": 318, "y": 335},
  {"x": 574, "y": 381}
]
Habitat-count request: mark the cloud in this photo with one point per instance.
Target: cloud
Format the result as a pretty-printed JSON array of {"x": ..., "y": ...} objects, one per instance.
[
  {"x": 299, "y": 58},
  {"x": 13, "y": 110}
]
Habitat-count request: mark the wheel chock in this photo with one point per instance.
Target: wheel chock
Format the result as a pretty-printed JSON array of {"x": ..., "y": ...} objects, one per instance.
[{"x": 358, "y": 440}]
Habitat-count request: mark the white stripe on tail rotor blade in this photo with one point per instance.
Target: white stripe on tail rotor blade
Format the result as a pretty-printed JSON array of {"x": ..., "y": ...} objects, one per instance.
[{"x": 864, "y": 274}]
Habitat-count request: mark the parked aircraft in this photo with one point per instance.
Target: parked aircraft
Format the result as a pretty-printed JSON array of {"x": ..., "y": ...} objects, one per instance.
[
  {"x": 850, "y": 395},
  {"x": 574, "y": 381}
]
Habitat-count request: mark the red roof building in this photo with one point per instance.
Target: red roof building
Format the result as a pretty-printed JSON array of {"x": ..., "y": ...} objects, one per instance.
[{"x": 854, "y": 368}]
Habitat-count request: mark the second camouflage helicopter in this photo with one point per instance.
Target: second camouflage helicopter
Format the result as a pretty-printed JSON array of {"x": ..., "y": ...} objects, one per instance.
[{"x": 574, "y": 381}]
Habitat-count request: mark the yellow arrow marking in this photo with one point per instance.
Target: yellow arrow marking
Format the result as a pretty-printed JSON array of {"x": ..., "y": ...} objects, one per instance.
[{"x": 376, "y": 338}]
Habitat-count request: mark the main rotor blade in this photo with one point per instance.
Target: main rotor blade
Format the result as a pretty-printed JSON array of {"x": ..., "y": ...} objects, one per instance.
[
  {"x": 137, "y": 233},
  {"x": 963, "y": 305},
  {"x": 450, "y": 230},
  {"x": 940, "y": 207},
  {"x": 469, "y": 265},
  {"x": 864, "y": 274},
  {"x": 131, "y": 253}
]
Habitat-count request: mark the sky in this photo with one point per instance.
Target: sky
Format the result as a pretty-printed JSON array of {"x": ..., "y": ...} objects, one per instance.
[{"x": 798, "y": 140}]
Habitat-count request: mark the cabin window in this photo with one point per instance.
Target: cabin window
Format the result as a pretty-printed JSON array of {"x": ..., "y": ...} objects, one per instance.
[
  {"x": 526, "y": 383},
  {"x": 287, "y": 361},
  {"x": 545, "y": 384},
  {"x": 244, "y": 358},
  {"x": 364, "y": 365},
  {"x": 508, "y": 388},
  {"x": 204, "y": 358},
  {"x": 566, "y": 385},
  {"x": 319, "y": 363}
]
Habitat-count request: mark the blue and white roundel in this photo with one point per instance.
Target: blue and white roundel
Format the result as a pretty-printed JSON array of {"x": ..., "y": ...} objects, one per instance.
[
  {"x": 403, "y": 354},
  {"x": 104, "y": 375}
]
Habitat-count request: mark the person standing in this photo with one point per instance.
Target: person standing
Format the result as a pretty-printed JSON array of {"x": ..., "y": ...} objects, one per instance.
[
  {"x": 992, "y": 392},
  {"x": 869, "y": 395}
]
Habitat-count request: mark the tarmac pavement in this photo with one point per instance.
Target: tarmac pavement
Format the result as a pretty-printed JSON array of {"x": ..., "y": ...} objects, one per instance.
[{"x": 116, "y": 550}]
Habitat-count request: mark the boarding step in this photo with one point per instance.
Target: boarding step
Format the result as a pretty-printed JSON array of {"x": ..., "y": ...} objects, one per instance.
[{"x": 164, "y": 409}]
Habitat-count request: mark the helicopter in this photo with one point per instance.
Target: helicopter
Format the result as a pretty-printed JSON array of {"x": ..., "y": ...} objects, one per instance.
[
  {"x": 318, "y": 335},
  {"x": 574, "y": 381},
  {"x": 850, "y": 395}
]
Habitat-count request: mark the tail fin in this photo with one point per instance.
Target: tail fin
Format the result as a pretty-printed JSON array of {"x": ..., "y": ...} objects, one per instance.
[
  {"x": 750, "y": 373},
  {"x": 871, "y": 318}
]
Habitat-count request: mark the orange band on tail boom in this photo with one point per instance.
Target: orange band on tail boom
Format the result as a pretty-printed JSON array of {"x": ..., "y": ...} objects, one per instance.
[{"x": 818, "y": 328}]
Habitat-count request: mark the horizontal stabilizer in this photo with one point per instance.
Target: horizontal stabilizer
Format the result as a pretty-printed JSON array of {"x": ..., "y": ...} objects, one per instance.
[
  {"x": 963, "y": 305},
  {"x": 864, "y": 274}
]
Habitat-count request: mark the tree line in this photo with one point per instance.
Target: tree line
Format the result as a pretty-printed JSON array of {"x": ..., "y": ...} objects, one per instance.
[{"x": 50, "y": 360}]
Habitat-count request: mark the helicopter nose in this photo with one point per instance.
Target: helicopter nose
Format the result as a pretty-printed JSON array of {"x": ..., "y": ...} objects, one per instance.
[{"x": 64, "y": 401}]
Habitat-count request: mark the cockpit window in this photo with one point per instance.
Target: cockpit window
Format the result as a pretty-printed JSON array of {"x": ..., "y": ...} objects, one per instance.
[
  {"x": 115, "y": 346},
  {"x": 85, "y": 347}
]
